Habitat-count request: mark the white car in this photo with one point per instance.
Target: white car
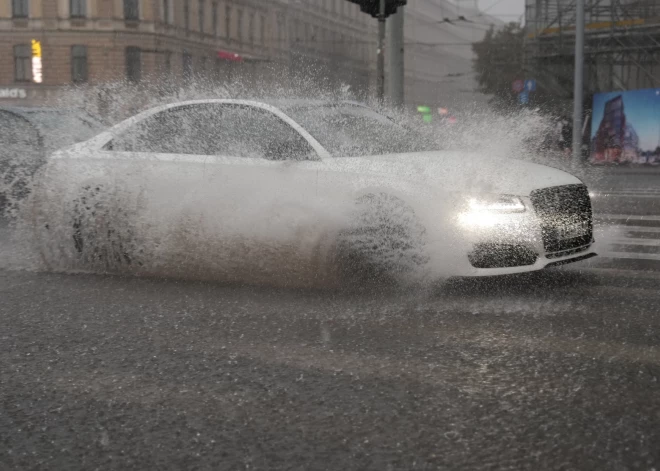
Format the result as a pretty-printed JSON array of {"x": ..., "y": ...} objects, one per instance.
[{"x": 304, "y": 192}]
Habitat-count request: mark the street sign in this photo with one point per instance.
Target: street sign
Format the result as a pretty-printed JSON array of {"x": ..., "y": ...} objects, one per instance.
[
  {"x": 518, "y": 86},
  {"x": 530, "y": 85},
  {"x": 523, "y": 97}
]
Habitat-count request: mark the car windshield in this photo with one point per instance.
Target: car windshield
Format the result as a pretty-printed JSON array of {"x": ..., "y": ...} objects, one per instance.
[{"x": 351, "y": 131}]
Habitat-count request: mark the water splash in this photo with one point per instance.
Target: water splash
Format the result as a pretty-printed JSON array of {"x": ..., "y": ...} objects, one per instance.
[{"x": 130, "y": 217}]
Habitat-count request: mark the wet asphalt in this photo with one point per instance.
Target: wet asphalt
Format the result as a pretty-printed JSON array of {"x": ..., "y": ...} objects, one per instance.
[{"x": 555, "y": 370}]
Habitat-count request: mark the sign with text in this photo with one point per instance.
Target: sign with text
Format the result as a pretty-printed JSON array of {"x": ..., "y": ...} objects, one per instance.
[
  {"x": 19, "y": 93},
  {"x": 37, "y": 70}
]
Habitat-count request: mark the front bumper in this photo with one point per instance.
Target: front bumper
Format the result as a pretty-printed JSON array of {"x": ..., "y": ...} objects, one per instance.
[
  {"x": 541, "y": 262},
  {"x": 501, "y": 244}
]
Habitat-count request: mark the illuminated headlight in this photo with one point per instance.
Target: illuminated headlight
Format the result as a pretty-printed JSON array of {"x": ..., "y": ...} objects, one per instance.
[{"x": 496, "y": 204}]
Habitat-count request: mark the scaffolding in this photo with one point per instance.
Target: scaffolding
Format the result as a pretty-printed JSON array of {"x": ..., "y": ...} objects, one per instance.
[{"x": 622, "y": 45}]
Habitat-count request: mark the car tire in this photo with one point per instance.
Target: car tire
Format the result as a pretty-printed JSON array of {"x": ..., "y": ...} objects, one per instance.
[
  {"x": 102, "y": 235},
  {"x": 384, "y": 243}
]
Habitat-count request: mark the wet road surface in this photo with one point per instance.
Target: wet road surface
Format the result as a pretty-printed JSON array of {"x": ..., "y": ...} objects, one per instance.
[{"x": 555, "y": 370}]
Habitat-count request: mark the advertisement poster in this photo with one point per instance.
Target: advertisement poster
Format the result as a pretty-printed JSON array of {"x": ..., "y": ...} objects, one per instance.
[{"x": 625, "y": 128}]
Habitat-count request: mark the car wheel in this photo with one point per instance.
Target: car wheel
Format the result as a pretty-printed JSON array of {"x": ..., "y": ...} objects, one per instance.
[
  {"x": 102, "y": 235},
  {"x": 383, "y": 244}
]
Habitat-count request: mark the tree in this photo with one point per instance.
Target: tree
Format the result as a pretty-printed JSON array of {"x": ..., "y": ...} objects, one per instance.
[{"x": 499, "y": 61}]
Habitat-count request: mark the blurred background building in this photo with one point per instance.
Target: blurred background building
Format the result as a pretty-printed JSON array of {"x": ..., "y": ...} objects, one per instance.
[{"x": 46, "y": 45}]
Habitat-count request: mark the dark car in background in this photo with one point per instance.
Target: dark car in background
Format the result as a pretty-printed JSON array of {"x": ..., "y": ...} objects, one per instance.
[{"x": 27, "y": 136}]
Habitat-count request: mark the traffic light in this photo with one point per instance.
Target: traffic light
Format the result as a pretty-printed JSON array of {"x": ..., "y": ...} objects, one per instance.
[{"x": 372, "y": 7}]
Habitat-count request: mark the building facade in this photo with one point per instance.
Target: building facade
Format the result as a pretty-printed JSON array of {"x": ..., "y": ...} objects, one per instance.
[{"x": 46, "y": 45}]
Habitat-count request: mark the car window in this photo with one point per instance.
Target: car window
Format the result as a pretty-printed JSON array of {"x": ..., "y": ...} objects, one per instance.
[
  {"x": 216, "y": 129},
  {"x": 349, "y": 131}
]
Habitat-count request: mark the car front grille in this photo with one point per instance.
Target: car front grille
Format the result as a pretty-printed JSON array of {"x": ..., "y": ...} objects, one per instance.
[{"x": 566, "y": 217}]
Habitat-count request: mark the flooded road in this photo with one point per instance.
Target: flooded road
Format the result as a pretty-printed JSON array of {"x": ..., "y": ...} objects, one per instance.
[{"x": 528, "y": 372}]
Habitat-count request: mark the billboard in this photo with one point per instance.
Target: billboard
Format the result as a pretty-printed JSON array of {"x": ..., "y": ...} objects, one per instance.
[{"x": 625, "y": 127}]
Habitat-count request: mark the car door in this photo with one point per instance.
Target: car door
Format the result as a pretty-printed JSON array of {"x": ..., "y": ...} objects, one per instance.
[{"x": 218, "y": 188}]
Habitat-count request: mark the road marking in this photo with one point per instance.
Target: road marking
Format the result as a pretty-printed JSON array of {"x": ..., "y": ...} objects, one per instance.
[
  {"x": 629, "y": 195},
  {"x": 636, "y": 241},
  {"x": 637, "y": 229},
  {"x": 631, "y": 255},
  {"x": 626, "y": 217},
  {"x": 619, "y": 237},
  {"x": 616, "y": 272}
]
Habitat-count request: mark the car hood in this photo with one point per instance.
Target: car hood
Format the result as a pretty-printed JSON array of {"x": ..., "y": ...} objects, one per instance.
[{"x": 460, "y": 171}]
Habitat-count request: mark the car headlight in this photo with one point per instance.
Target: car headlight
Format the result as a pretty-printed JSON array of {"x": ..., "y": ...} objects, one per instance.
[{"x": 496, "y": 204}]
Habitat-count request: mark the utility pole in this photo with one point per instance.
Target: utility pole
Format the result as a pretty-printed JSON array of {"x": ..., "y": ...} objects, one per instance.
[
  {"x": 578, "y": 85},
  {"x": 380, "y": 64},
  {"x": 395, "y": 53}
]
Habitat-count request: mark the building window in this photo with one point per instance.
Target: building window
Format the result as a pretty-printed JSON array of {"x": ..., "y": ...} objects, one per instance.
[
  {"x": 187, "y": 65},
  {"x": 214, "y": 18},
  {"x": 186, "y": 14},
  {"x": 262, "y": 34},
  {"x": 296, "y": 31},
  {"x": 131, "y": 10},
  {"x": 168, "y": 63},
  {"x": 239, "y": 28},
  {"x": 200, "y": 13},
  {"x": 166, "y": 11},
  {"x": 280, "y": 30},
  {"x": 20, "y": 8},
  {"x": 133, "y": 64},
  {"x": 251, "y": 28},
  {"x": 78, "y": 64},
  {"x": 23, "y": 63},
  {"x": 78, "y": 8},
  {"x": 228, "y": 22}
]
